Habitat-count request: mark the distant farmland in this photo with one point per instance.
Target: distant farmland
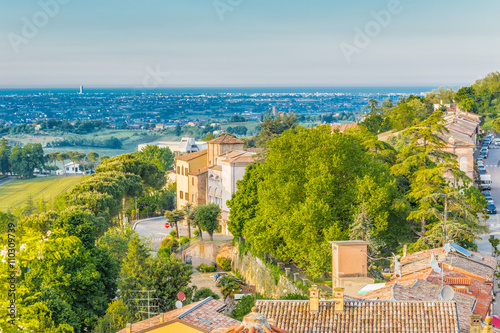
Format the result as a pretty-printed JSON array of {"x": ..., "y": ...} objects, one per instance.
[{"x": 17, "y": 192}]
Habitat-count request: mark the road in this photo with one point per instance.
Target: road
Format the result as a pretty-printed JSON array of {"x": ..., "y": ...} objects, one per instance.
[
  {"x": 5, "y": 181},
  {"x": 492, "y": 168},
  {"x": 155, "y": 228}
]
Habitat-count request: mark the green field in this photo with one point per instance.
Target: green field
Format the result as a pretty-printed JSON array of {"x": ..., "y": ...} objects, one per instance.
[
  {"x": 17, "y": 192},
  {"x": 130, "y": 139}
]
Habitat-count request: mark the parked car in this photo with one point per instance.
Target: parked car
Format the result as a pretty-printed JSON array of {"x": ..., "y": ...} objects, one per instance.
[
  {"x": 492, "y": 209},
  {"x": 482, "y": 170},
  {"x": 480, "y": 158},
  {"x": 218, "y": 275},
  {"x": 480, "y": 163}
]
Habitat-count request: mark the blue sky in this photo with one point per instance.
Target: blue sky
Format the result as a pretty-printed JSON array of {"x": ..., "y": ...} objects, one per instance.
[{"x": 112, "y": 43}]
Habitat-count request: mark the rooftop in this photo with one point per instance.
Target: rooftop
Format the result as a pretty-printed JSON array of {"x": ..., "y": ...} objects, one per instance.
[
  {"x": 199, "y": 171},
  {"x": 362, "y": 316},
  {"x": 225, "y": 139},
  {"x": 205, "y": 315},
  {"x": 189, "y": 157},
  {"x": 342, "y": 128},
  {"x": 419, "y": 290}
]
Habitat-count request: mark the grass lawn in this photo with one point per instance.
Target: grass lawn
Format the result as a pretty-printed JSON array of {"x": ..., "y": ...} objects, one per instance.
[{"x": 17, "y": 192}]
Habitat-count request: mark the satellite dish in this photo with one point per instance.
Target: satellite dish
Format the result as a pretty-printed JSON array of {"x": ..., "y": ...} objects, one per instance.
[
  {"x": 447, "y": 293},
  {"x": 435, "y": 266},
  {"x": 447, "y": 247}
]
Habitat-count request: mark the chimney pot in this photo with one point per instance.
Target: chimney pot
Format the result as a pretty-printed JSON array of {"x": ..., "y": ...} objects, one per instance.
[
  {"x": 313, "y": 299},
  {"x": 475, "y": 324},
  {"x": 338, "y": 295},
  {"x": 128, "y": 328}
]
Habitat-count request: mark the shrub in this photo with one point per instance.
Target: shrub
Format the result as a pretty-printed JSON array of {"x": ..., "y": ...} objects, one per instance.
[
  {"x": 204, "y": 293},
  {"x": 173, "y": 234},
  {"x": 206, "y": 268},
  {"x": 184, "y": 240},
  {"x": 196, "y": 233},
  {"x": 243, "y": 307},
  {"x": 163, "y": 253},
  {"x": 224, "y": 263},
  {"x": 168, "y": 243},
  {"x": 294, "y": 297}
]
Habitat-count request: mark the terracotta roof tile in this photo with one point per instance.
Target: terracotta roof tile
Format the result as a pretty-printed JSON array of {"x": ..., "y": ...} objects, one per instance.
[
  {"x": 344, "y": 127},
  {"x": 203, "y": 314},
  {"x": 458, "y": 281},
  {"x": 191, "y": 156},
  {"x": 199, "y": 171},
  {"x": 208, "y": 317},
  {"x": 424, "y": 291},
  {"x": 363, "y": 316},
  {"x": 225, "y": 139}
]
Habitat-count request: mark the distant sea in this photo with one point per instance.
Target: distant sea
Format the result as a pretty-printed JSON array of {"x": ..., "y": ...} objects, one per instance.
[{"x": 229, "y": 90}]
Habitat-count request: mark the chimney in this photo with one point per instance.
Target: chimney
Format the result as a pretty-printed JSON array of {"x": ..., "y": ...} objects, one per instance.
[
  {"x": 313, "y": 299},
  {"x": 349, "y": 259},
  {"x": 128, "y": 328},
  {"x": 475, "y": 324},
  {"x": 162, "y": 319},
  {"x": 338, "y": 296},
  {"x": 404, "y": 251}
]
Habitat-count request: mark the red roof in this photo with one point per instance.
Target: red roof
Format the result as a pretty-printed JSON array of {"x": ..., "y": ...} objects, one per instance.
[
  {"x": 205, "y": 315},
  {"x": 344, "y": 127},
  {"x": 225, "y": 139}
]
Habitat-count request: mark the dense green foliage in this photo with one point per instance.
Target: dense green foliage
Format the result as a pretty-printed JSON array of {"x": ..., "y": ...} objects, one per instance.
[
  {"x": 315, "y": 186},
  {"x": 305, "y": 202},
  {"x": 70, "y": 265},
  {"x": 243, "y": 307},
  {"x": 224, "y": 263},
  {"x": 203, "y": 293},
  {"x": 22, "y": 160},
  {"x": 111, "y": 143},
  {"x": 207, "y": 217},
  {"x": 163, "y": 158},
  {"x": 204, "y": 268}
]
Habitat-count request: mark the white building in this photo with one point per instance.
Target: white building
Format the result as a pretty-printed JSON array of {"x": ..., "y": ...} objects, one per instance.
[
  {"x": 72, "y": 168},
  {"x": 185, "y": 146},
  {"x": 222, "y": 178}
]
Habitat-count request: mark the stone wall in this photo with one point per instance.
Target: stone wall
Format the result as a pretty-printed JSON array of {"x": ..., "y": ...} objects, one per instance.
[{"x": 257, "y": 273}]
